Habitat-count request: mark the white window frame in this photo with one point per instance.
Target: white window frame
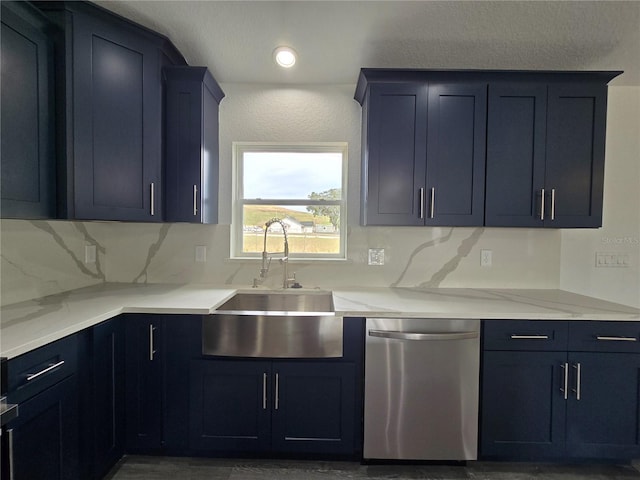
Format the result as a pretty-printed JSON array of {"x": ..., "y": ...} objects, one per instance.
[{"x": 239, "y": 148}]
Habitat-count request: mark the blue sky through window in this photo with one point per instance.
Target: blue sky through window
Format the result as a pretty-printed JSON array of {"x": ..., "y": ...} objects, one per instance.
[{"x": 290, "y": 175}]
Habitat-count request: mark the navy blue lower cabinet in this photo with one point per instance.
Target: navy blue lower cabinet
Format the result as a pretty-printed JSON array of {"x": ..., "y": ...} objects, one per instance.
[
  {"x": 562, "y": 404},
  {"x": 44, "y": 436},
  {"x": 523, "y": 407},
  {"x": 230, "y": 406},
  {"x": 313, "y": 409},
  {"x": 108, "y": 395},
  {"x": 603, "y": 411},
  {"x": 254, "y": 406},
  {"x": 144, "y": 387}
]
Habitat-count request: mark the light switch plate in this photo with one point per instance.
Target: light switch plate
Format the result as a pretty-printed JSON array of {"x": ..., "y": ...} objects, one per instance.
[
  {"x": 376, "y": 256},
  {"x": 89, "y": 254},
  {"x": 201, "y": 253},
  {"x": 612, "y": 260}
]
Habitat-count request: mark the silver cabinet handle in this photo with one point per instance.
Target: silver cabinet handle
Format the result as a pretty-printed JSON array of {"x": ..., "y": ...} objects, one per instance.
[
  {"x": 529, "y": 337},
  {"x": 422, "y": 202},
  {"x": 277, "y": 403},
  {"x": 578, "y": 368},
  {"x": 604, "y": 338},
  {"x": 565, "y": 383},
  {"x": 264, "y": 391},
  {"x": 553, "y": 204},
  {"x": 542, "y": 204},
  {"x": 433, "y": 202},
  {"x": 422, "y": 336},
  {"x": 33, "y": 376},
  {"x": 153, "y": 199},
  {"x": 152, "y": 350},
  {"x": 195, "y": 200},
  {"x": 11, "y": 473}
]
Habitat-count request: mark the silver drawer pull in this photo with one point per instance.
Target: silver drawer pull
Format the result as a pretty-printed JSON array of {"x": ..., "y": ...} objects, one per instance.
[
  {"x": 433, "y": 202},
  {"x": 152, "y": 348},
  {"x": 565, "y": 385},
  {"x": 195, "y": 200},
  {"x": 422, "y": 336},
  {"x": 576, "y": 390},
  {"x": 153, "y": 199},
  {"x": 529, "y": 337},
  {"x": 605, "y": 338},
  {"x": 11, "y": 474},
  {"x": 33, "y": 376},
  {"x": 264, "y": 391}
]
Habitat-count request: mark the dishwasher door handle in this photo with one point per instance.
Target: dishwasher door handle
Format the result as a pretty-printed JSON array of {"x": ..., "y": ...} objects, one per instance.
[{"x": 396, "y": 335}]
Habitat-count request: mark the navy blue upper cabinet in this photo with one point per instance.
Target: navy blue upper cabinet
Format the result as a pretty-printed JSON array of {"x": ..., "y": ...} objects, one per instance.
[
  {"x": 117, "y": 123},
  {"x": 574, "y": 176},
  {"x": 545, "y": 154},
  {"x": 516, "y": 138},
  {"x": 191, "y": 181},
  {"x": 423, "y": 153},
  {"x": 394, "y": 150},
  {"x": 112, "y": 162},
  {"x": 456, "y": 137},
  {"x": 528, "y": 154},
  {"x": 28, "y": 149}
]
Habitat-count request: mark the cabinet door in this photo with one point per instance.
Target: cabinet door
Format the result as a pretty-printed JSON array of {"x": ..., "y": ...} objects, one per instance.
[
  {"x": 192, "y": 145},
  {"x": 108, "y": 401},
  {"x": 523, "y": 407},
  {"x": 574, "y": 174},
  {"x": 117, "y": 123},
  {"x": 144, "y": 356},
  {"x": 44, "y": 437},
  {"x": 27, "y": 123},
  {"x": 313, "y": 408},
  {"x": 604, "y": 421},
  {"x": 516, "y": 137},
  {"x": 394, "y": 154},
  {"x": 456, "y": 142},
  {"x": 182, "y": 343},
  {"x": 230, "y": 406}
]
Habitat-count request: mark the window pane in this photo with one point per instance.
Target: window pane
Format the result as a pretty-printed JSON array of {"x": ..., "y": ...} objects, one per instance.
[
  {"x": 310, "y": 229},
  {"x": 290, "y": 175}
]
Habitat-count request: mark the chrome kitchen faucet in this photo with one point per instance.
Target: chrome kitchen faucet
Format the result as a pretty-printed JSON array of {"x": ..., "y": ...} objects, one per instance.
[{"x": 266, "y": 260}]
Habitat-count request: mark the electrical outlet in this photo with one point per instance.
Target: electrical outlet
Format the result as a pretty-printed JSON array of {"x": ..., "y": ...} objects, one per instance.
[
  {"x": 201, "y": 253},
  {"x": 89, "y": 254},
  {"x": 486, "y": 258},
  {"x": 376, "y": 256}
]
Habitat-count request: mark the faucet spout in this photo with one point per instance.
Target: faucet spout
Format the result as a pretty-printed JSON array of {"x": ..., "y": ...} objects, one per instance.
[{"x": 266, "y": 260}]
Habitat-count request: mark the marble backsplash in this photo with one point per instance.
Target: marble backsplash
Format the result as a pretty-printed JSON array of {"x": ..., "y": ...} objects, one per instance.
[{"x": 45, "y": 257}]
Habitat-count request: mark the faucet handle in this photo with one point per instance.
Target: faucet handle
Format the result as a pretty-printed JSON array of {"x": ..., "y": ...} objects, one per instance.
[{"x": 295, "y": 282}]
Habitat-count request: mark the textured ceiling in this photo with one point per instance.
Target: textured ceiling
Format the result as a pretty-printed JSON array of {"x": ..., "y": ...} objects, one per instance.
[{"x": 334, "y": 39}]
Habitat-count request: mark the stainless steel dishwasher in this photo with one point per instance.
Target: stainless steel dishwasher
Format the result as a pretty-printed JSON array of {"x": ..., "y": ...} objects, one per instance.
[{"x": 421, "y": 389}]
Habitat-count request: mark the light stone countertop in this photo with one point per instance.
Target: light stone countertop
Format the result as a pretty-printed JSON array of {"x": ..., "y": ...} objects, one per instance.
[{"x": 28, "y": 325}]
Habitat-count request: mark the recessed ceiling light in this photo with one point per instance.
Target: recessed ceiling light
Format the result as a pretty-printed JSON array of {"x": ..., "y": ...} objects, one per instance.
[{"x": 285, "y": 56}]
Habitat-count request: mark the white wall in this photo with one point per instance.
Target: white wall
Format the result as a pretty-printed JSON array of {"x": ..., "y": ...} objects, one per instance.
[{"x": 620, "y": 232}]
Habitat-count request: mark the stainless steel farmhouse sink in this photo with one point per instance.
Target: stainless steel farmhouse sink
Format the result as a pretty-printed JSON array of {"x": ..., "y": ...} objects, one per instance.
[
  {"x": 284, "y": 303},
  {"x": 274, "y": 325}
]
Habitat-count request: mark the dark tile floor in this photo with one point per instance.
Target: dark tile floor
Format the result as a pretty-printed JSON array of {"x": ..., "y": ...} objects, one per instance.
[{"x": 171, "y": 468}]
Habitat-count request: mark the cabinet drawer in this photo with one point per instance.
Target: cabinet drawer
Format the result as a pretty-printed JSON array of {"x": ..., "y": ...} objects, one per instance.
[
  {"x": 548, "y": 335},
  {"x": 621, "y": 337},
  {"x": 33, "y": 372}
]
